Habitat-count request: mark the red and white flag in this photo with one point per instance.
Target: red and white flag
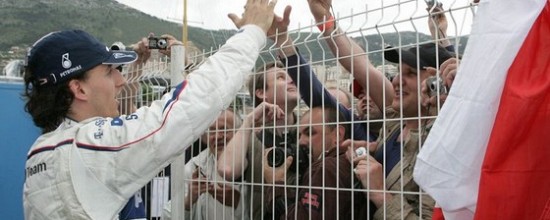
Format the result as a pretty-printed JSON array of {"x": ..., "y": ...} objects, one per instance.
[{"x": 488, "y": 154}]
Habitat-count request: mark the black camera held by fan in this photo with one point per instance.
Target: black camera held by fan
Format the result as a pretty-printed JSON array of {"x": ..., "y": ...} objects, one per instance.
[
  {"x": 277, "y": 157},
  {"x": 160, "y": 43},
  {"x": 285, "y": 148}
]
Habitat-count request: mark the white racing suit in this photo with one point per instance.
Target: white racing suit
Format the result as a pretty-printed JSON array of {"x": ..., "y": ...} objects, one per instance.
[{"x": 89, "y": 169}]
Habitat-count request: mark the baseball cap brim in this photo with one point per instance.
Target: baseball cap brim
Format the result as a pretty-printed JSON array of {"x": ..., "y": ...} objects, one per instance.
[
  {"x": 392, "y": 54},
  {"x": 121, "y": 57}
]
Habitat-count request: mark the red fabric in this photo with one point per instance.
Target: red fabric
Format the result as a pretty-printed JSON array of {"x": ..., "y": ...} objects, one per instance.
[
  {"x": 515, "y": 176},
  {"x": 437, "y": 214}
]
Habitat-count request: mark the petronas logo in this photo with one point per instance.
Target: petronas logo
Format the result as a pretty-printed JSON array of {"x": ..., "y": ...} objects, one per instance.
[{"x": 65, "y": 62}]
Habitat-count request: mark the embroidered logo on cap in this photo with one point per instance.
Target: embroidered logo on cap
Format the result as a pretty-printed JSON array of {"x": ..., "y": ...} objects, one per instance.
[
  {"x": 121, "y": 55},
  {"x": 65, "y": 62}
]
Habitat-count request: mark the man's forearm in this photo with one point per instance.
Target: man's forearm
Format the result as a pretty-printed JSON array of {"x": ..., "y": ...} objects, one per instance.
[
  {"x": 232, "y": 162},
  {"x": 354, "y": 59}
]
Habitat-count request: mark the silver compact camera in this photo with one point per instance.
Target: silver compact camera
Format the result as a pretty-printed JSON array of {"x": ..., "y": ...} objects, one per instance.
[
  {"x": 118, "y": 46},
  {"x": 361, "y": 151},
  {"x": 436, "y": 86},
  {"x": 160, "y": 43}
]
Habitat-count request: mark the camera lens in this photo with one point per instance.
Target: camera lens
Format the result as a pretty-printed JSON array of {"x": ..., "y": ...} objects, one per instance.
[
  {"x": 276, "y": 157},
  {"x": 433, "y": 86},
  {"x": 361, "y": 151},
  {"x": 162, "y": 43}
]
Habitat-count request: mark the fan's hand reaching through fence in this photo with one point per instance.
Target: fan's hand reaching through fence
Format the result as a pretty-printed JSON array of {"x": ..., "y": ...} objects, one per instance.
[
  {"x": 264, "y": 113},
  {"x": 278, "y": 31},
  {"x": 320, "y": 9},
  {"x": 257, "y": 12},
  {"x": 172, "y": 41}
]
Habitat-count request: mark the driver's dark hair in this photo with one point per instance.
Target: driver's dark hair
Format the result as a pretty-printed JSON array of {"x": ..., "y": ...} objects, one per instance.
[{"x": 48, "y": 105}]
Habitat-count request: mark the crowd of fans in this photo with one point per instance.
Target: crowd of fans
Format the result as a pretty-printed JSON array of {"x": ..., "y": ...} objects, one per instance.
[
  {"x": 350, "y": 155},
  {"x": 319, "y": 174}
]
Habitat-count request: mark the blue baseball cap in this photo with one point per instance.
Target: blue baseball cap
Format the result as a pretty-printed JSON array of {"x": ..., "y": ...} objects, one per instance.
[{"x": 60, "y": 56}]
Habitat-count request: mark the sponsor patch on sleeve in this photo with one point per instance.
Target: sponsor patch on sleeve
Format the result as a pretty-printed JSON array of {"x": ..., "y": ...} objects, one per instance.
[{"x": 117, "y": 122}]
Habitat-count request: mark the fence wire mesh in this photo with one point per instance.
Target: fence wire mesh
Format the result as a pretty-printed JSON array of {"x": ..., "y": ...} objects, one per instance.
[{"x": 230, "y": 173}]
